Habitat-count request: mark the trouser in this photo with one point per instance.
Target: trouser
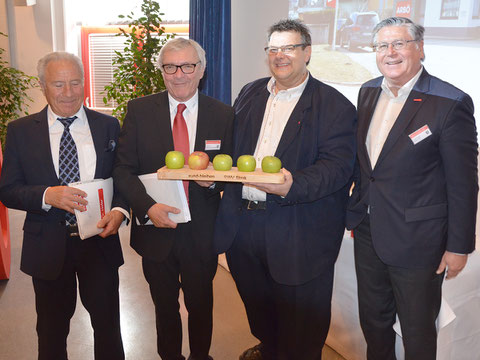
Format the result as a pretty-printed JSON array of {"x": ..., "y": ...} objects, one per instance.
[
  {"x": 291, "y": 322},
  {"x": 384, "y": 291},
  {"x": 184, "y": 269},
  {"x": 55, "y": 302}
]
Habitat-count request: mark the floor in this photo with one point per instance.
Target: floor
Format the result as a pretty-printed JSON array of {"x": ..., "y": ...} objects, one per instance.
[{"x": 18, "y": 340}]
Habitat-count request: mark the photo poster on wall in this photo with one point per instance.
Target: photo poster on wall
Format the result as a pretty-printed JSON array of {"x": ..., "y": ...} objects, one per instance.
[{"x": 341, "y": 31}]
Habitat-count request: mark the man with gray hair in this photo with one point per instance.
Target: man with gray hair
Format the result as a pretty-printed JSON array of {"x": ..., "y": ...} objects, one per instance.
[
  {"x": 44, "y": 152},
  {"x": 414, "y": 202},
  {"x": 175, "y": 255}
]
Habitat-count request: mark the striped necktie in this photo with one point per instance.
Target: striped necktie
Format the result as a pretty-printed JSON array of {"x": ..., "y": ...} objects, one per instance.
[{"x": 68, "y": 169}]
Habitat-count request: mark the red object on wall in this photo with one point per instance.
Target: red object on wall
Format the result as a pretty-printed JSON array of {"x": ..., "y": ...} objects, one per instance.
[
  {"x": 404, "y": 9},
  {"x": 5, "y": 256},
  {"x": 331, "y": 3}
]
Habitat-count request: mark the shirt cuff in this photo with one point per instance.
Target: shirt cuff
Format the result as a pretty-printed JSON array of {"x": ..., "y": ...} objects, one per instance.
[
  {"x": 45, "y": 207},
  {"x": 124, "y": 212}
]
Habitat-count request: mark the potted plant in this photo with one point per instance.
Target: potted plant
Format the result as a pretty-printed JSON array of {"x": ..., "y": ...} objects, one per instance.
[
  {"x": 14, "y": 99},
  {"x": 135, "y": 73}
]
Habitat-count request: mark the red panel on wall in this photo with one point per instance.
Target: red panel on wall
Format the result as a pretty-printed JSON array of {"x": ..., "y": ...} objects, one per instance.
[{"x": 5, "y": 255}]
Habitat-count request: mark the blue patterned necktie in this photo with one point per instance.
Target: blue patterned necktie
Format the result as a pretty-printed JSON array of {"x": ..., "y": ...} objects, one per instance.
[{"x": 68, "y": 169}]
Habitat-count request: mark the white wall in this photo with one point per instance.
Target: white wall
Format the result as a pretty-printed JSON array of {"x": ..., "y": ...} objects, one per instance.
[
  {"x": 31, "y": 29},
  {"x": 433, "y": 10},
  {"x": 250, "y": 22}
]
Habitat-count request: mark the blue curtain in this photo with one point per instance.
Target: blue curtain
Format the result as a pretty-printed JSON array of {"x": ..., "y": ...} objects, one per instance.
[{"x": 210, "y": 26}]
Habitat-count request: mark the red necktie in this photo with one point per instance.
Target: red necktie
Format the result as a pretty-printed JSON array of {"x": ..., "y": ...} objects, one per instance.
[{"x": 180, "y": 137}]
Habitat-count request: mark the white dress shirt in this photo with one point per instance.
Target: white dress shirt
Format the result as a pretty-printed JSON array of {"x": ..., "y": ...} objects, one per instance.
[
  {"x": 386, "y": 113},
  {"x": 277, "y": 112},
  {"x": 190, "y": 114},
  {"x": 87, "y": 157}
]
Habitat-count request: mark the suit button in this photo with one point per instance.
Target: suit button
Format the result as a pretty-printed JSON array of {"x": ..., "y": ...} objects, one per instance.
[{"x": 372, "y": 179}]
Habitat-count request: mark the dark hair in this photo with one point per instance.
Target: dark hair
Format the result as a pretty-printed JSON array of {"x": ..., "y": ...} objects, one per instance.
[
  {"x": 292, "y": 25},
  {"x": 416, "y": 31}
]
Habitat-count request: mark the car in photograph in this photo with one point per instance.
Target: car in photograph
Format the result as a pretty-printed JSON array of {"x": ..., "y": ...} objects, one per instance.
[{"x": 357, "y": 30}]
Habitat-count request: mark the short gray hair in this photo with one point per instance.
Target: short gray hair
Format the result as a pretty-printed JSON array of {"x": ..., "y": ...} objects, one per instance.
[
  {"x": 57, "y": 56},
  {"x": 416, "y": 31},
  {"x": 180, "y": 43},
  {"x": 292, "y": 25}
]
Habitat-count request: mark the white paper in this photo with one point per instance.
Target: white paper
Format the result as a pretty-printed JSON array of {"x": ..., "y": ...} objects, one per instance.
[
  {"x": 87, "y": 220},
  {"x": 168, "y": 192},
  {"x": 445, "y": 317}
]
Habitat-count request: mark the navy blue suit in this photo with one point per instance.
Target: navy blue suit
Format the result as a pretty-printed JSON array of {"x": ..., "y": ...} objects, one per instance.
[
  {"x": 422, "y": 197},
  {"x": 297, "y": 237},
  {"x": 49, "y": 255}
]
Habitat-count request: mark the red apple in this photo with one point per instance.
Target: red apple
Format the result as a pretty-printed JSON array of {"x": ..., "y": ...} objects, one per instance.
[{"x": 198, "y": 160}]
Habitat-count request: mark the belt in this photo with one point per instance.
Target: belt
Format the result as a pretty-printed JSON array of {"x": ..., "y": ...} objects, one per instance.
[
  {"x": 254, "y": 204},
  {"x": 72, "y": 230}
]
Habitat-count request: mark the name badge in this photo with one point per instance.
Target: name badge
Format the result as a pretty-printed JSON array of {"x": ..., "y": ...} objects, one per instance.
[
  {"x": 420, "y": 134},
  {"x": 213, "y": 144}
]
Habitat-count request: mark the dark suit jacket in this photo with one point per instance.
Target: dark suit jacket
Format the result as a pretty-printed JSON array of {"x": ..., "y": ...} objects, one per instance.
[
  {"x": 28, "y": 170},
  {"x": 145, "y": 139},
  {"x": 422, "y": 197},
  {"x": 304, "y": 230}
]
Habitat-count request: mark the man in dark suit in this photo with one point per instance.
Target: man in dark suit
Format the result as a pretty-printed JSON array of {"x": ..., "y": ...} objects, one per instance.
[
  {"x": 170, "y": 250},
  {"x": 282, "y": 240},
  {"x": 415, "y": 197},
  {"x": 34, "y": 180}
]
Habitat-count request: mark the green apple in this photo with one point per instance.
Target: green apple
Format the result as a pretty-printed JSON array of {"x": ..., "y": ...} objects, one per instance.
[
  {"x": 271, "y": 164},
  {"x": 174, "y": 160},
  {"x": 222, "y": 162},
  {"x": 246, "y": 163}
]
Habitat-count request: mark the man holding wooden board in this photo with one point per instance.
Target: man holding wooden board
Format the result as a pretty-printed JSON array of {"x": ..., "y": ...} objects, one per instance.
[
  {"x": 175, "y": 255},
  {"x": 282, "y": 240}
]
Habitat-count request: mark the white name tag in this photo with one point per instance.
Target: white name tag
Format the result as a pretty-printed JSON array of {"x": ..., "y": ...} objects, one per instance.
[
  {"x": 420, "y": 134},
  {"x": 213, "y": 144}
]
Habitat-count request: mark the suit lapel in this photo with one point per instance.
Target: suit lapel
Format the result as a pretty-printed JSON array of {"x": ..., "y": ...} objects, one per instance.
[
  {"x": 255, "y": 119},
  {"x": 202, "y": 123},
  {"x": 162, "y": 128},
  {"x": 368, "y": 103},
  {"x": 98, "y": 136},
  {"x": 44, "y": 146},
  {"x": 413, "y": 103}
]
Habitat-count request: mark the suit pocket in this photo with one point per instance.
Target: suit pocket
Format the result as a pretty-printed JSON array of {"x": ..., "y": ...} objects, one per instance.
[
  {"x": 426, "y": 212},
  {"x": 32, "y": 227}
]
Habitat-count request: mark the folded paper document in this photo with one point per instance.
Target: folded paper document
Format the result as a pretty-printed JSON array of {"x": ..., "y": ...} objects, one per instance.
[
  {"x": 99, "y": 197},
  {"x": 168, "y": 192}
]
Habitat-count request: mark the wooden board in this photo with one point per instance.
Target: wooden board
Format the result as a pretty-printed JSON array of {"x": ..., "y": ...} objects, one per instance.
[{"x": 209, "y": 174}]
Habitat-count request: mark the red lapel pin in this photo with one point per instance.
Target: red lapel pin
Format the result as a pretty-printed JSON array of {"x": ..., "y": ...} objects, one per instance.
[{"x": 417, "y": 99}]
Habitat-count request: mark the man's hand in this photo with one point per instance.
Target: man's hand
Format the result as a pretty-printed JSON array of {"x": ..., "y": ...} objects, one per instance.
[
  {"x": 454, "y": 263},
  {"x": 66, "y": 198},
  {"x": 110, "y": 223},
  {"x": 158, "y": 213},
  {"x": 204, "y": 183},
  {"x": 276, "y": 189}
]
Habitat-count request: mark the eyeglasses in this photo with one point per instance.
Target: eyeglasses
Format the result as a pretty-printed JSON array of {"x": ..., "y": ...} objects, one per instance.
[
  {"x": 171, "y": 69},
  {"x": 397, "y": 45},
  {"x": 287, "y": 49}
]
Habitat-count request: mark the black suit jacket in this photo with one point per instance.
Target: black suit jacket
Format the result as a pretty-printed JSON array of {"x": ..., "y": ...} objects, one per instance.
[
  {"x": 423, "y": 196},
  {"x": 28, "y": 170},
  {"x": 145, "y": 139},
  {"x": 304, "y": 230}
]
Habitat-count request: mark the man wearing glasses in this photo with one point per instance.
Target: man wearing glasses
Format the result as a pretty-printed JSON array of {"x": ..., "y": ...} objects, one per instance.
[
  {"x": 282, "y": 240},
  {"x": 414, "y": 203},
  {"x": 175, "y": 255}
]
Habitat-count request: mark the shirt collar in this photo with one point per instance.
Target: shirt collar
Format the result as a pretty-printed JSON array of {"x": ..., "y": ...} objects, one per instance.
[
  {"x": 190, "y": 103},
  {"x": 287, "y": 94},
  {"x": 81, "y": 119},
  {"x": 404, "y": 91}
]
